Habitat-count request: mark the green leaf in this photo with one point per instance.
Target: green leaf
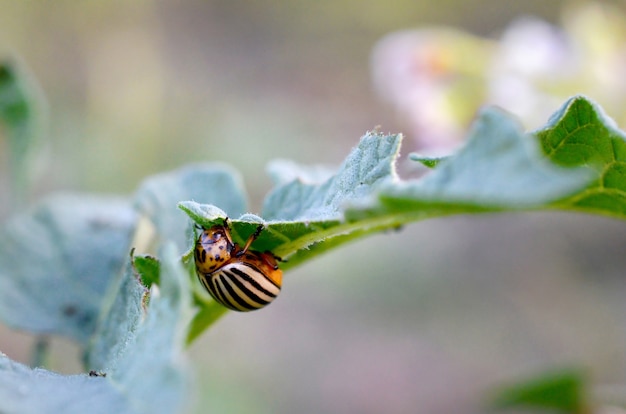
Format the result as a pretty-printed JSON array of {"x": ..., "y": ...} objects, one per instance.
[
  {"x": 564, "y": 391},
  {"x": 57, "y": 259},
  {"x": 148, "y": 362},
  {"x": 205, "y": 215},
  {"x": 429, "y": 162},
  {"x": 306, "y": 217},
  {"x": 148, "y": 269},
  {"x": 21, "y": 113},
  {"x": 143, "y": 363},
  {"x": 500, "y": 168},
  {"x": 215, "y": 184},
  {"x": 32, "y": 391},
  {"x": 121, "y": 314},
  {"x": 204, "y": 318},
  {"x": 581, "y": 134},
  {"x": 369, "y": 165}
]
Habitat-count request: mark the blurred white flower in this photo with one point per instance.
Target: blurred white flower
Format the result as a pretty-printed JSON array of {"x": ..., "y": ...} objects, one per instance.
[
  {"x": 420, "y": 72},
  {"x": 531, "y": 57},
  {"x": 436, "y": 79}
]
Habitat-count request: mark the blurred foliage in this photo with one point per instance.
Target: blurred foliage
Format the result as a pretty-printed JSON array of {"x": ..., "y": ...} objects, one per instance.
[
  {"x": 21, "y": 112},
  {"x": 561, "y": 391}
]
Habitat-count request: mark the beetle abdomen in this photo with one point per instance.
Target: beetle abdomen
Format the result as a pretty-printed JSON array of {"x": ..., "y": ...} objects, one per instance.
[{"x": 240, "y": 286}]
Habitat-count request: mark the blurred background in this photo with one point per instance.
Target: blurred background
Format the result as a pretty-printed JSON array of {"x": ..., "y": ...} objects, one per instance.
[{"x": 447, "y": 308}]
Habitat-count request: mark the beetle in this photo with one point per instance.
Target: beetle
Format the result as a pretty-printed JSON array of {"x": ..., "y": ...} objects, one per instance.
[{"x": 237, "y": 277}]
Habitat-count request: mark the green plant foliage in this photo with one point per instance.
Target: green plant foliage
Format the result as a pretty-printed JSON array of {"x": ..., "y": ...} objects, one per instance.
[
  {"x": 138, "y": 364},
  {"x": 57, "y": 261},
  {"x": 148, "y": 269},
  {"x": 561, "y": 391},
  {"x": 581, "y": 134},
  {"x": 20, "y": 115},
  {"x": 367, "y": 166},
  {"x": 429, "y": 162},
  {"x": 207, "y": 314},
  {"x": 500, "y": 168},
  {"x": 123, "y": 309},
  {"x": 15, "y": 108}
]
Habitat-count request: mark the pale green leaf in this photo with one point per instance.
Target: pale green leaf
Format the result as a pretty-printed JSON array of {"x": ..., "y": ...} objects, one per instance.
[
  {"x": 499, "y": 168},
  {"x": 24, "y": 390},
  {"x": 121, "y": 314},
  {"x": 369, "y": 165},
  {"x": 141, "y": 365},
  {"x": 57, "y": 259}
]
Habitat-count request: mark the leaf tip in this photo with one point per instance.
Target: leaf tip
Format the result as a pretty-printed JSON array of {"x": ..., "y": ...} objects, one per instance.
[{"x": 428, "y": 162}]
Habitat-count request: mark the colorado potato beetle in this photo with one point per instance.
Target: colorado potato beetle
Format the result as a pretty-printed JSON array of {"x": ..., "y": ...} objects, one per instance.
[{"x": 235, "y": 276}]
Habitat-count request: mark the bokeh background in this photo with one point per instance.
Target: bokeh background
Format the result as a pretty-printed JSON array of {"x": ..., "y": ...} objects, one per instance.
[{"x": 444, "y": 309}]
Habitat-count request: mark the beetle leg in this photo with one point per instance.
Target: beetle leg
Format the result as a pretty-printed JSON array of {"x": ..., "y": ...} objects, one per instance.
[
  {"x": 251, "y": 239},
  {"x": 277, "y": 258}
]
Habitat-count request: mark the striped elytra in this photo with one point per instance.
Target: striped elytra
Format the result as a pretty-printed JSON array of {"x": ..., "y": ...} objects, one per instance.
[{"x": 238, "y": 278}]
